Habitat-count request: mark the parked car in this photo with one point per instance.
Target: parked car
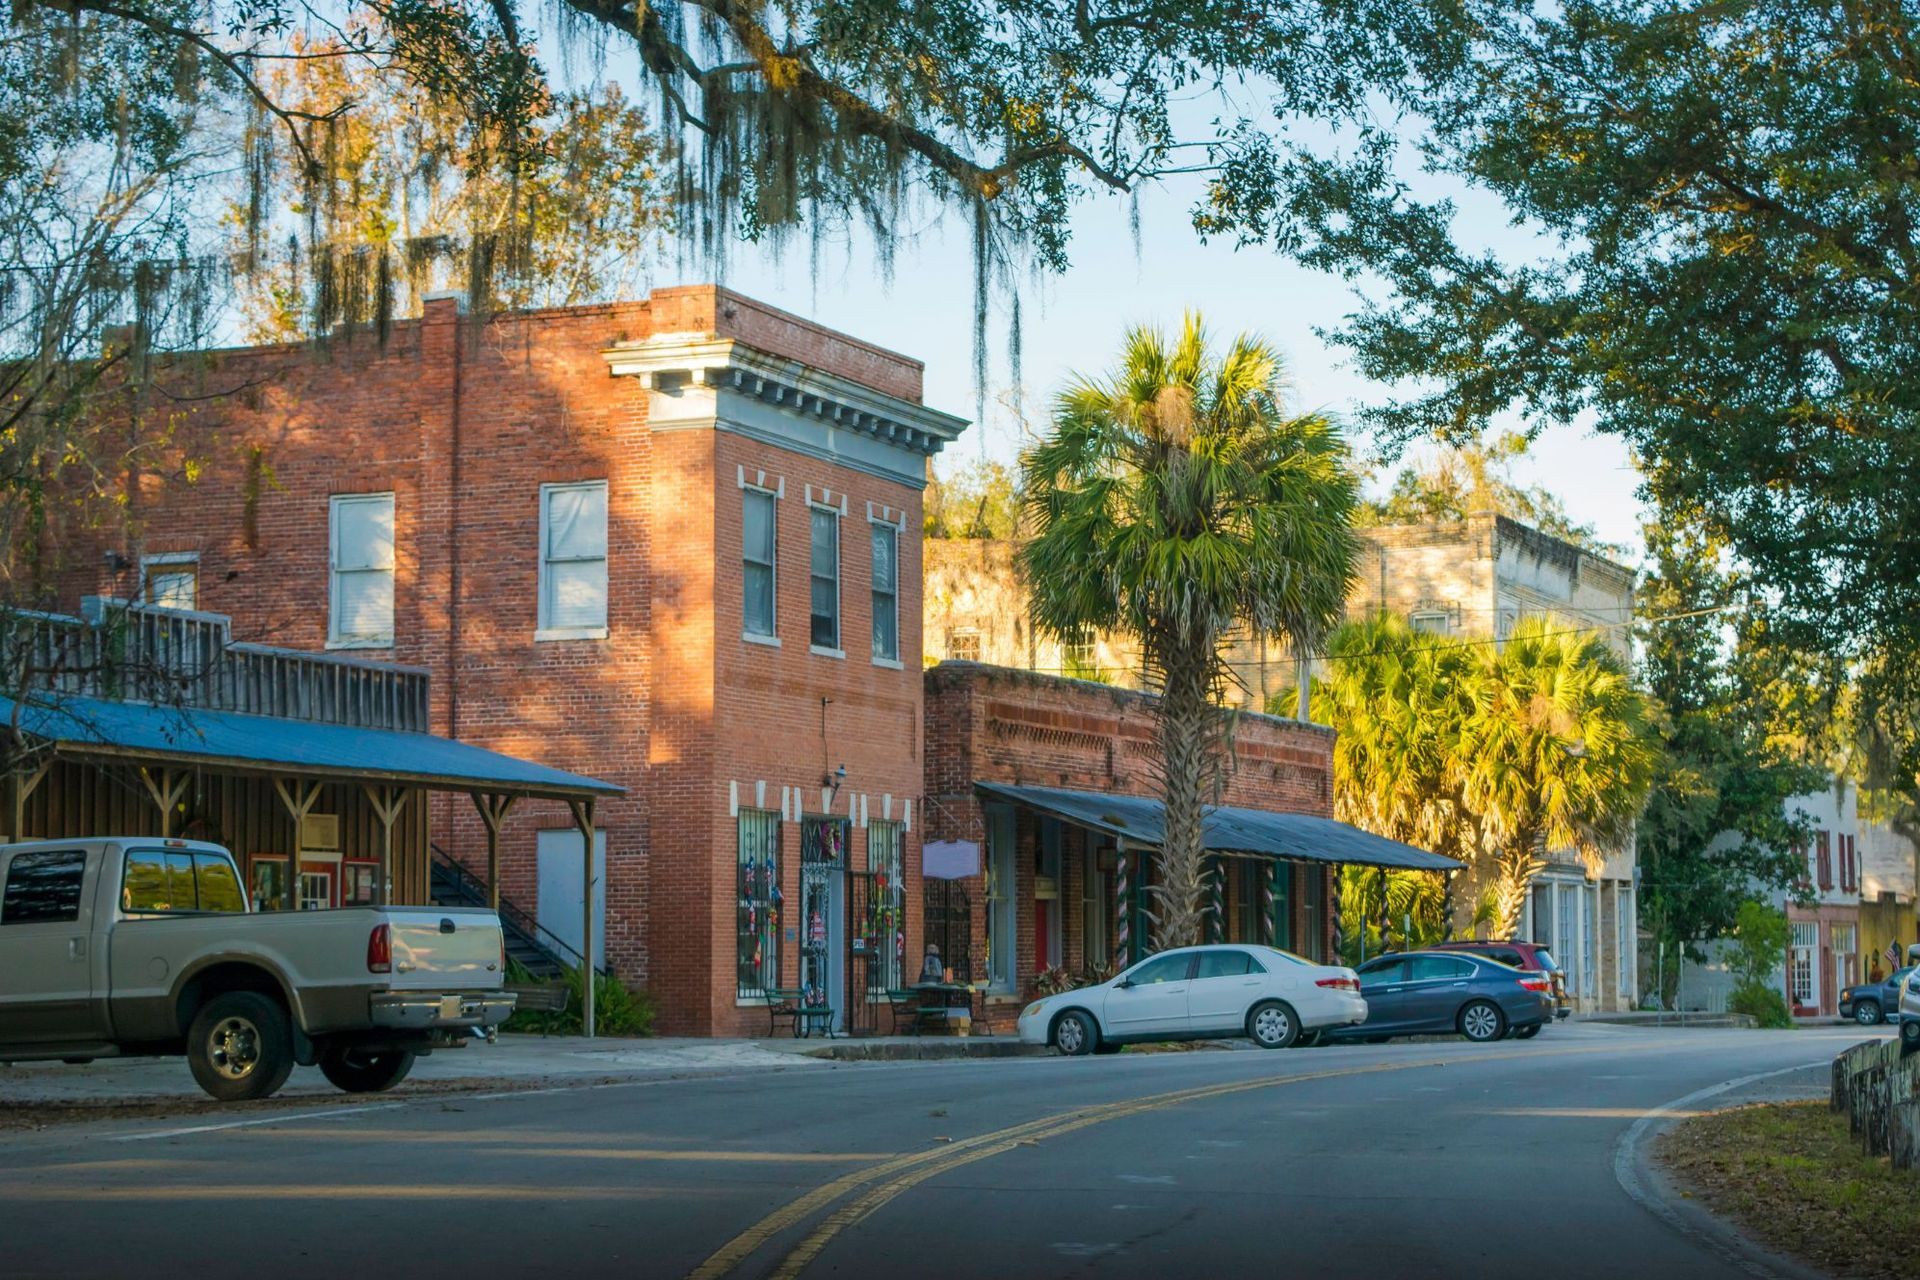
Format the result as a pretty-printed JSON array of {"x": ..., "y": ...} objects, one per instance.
[
  {"x": 1910, "y": 1003},
  {"x": 1439, "y": 992},
  {"x": 1192, "y": 993},
  {"x": 1871, "y": 1003},
  {"x": 1533, "y": 957},
  {"x": 125, "y": 946}
]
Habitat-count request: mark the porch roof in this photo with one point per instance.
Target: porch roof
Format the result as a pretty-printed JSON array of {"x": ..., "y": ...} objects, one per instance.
[
  {"x": 96, "y": 728},
  {"x": 1225, "y": 829}
]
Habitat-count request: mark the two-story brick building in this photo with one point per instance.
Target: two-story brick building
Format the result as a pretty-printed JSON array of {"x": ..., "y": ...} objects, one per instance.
[{"x": 672, "y": 544}]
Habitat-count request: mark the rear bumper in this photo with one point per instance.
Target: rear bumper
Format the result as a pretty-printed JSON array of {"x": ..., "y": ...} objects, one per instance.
[{"x": 426, "y": 1011}]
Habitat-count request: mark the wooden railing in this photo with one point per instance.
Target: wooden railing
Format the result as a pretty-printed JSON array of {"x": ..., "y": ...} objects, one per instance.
[{"x": 135, "y": 652}]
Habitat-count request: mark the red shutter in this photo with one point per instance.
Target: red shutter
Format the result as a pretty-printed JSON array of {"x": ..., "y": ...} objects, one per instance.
[{"x": 1823, "y": 852}]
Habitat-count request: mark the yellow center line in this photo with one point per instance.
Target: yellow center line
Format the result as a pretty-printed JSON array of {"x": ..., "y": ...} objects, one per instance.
[{"x": 741, "y": 1157}]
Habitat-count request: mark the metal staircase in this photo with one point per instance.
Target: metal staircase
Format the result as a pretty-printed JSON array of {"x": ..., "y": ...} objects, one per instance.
[{"x": 528, "y": 945}]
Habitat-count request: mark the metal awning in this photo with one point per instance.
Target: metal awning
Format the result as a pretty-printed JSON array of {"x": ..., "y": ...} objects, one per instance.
[
  {"x": 96, "y": 728},
  {"x": 1226, "y": 829}
]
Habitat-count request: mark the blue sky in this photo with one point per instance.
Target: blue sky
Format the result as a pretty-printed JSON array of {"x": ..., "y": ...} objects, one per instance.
[{"x": 1074, "y": 322}]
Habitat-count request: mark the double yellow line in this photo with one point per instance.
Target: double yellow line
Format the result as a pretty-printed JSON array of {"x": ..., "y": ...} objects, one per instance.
[{"x": 904, "y": 1172}]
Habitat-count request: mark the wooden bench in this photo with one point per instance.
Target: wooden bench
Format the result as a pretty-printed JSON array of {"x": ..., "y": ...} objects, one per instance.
[
  {"x": 547, "y": 998},
  {"x": 784, "y": 1002}
]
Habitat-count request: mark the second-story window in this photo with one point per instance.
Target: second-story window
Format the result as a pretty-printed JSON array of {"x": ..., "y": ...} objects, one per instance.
[
  {"x": 825, "y": 579},
  {"x": 758, "y": 548},
  {"x": 886, "y": 592},
  {"x": 172, "y": 579},
  {"x": 361, "y": 605},
  {"x": 573, "y": 561}
]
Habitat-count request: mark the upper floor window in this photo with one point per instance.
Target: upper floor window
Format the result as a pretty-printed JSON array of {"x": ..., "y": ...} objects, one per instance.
[
  {"x": 361, "y": 614},
  {"x": 963, "y": 644},
  {"x": 825, "y": 579},
  {"x": 759, "y": 547},
  {"x": 886, "y": 592},
  {"x": 1432, "y": 622},
  {"x": 573, "y": 561},
  {"x": 172, "y": 579}
]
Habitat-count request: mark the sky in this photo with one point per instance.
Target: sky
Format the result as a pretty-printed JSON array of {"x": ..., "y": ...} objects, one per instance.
[{"x": 1073, "y": 322}]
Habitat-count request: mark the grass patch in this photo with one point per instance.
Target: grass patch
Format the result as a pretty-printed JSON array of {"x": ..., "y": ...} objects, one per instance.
[{"x": 1793, "y": 1177}]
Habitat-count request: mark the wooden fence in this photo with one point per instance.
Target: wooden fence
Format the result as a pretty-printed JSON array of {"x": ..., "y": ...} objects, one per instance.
[{"x": 1879, "y": 1091}]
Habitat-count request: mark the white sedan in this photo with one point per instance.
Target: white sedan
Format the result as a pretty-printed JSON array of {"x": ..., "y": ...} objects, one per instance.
[{"x": 1272, "y": 996}]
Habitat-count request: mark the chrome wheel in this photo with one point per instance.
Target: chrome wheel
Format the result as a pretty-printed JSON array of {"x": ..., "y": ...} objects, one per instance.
[
  {"x": 1073, "y": 1034},
  {"x": 1480, "y": 1021},
  {"x": 1272, "y": 1026},
  {"x": 233, "y": 1047},
  {"x": 1866, "y": 1013}
]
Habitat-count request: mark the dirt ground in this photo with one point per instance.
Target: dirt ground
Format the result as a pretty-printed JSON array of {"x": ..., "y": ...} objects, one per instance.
[{"x": 1792, "y": 1176}]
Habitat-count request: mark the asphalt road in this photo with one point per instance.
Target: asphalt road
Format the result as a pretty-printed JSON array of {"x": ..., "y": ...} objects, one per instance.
[{"x": 1432, "y": 1159}]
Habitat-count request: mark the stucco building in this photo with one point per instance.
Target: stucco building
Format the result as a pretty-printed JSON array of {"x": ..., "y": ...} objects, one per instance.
[{"x": 672, "y": 544}]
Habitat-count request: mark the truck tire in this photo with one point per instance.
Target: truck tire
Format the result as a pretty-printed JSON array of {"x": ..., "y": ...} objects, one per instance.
[
  {"x": 240, "y": 1046},
  {"x": 357, "y": 1071}
]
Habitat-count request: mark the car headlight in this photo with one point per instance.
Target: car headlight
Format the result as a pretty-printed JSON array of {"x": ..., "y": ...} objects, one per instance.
[{"x": 1032, "y": 1009}]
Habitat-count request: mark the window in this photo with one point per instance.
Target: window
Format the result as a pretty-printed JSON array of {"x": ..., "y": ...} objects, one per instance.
[
  {"x": 573, "y": 561},
  {"x": 1000, "y": 904},
  {"x": 1823, "y": 857},
  {"x": 1096, "y": 911},
  {"x": 1224, "y": 964},
  {"x": 758, "y": 545},
  {"x": 43, "y": 886},
  {"x": 362, "y": 560},
  {"x": 172, "y": 579},
  {"x": 1173, "y": 968},
  {"x": 358, "y": 880},
  {"x": 1846, "y": 947},
  {"x": 1849, "y": 865},
  {"x": 886, "y": 906},
  {"x": 1313, "y": 912},
  {"x": 1438, "y": 969},
  {"x": 1380, "y": 972},
  {"x": 963, "y": 644},
  {"x": 1080, "y": 657},
  {"x": 886, "y": 593},
  {"x": 824, "y": 576},
  {"x": 1432, "y": 622},
  {"x": 758, "y": 868},
  {"x": 157, "y": 880},
  {"x": 1806, "y": 937},
  {"x": 269, "y": 883}
]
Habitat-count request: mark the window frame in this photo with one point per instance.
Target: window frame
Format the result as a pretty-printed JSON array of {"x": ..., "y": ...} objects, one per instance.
[
  {"x": 195, "y": 858},
  {"x": 170, "y": 564},
  {"x": 76, "y": 856},
  {"x": 838, "y": 648},
  {"x": 336, "y": 638},
  {"x": 767, "y": 929},
  {"x": 875, "y": 529},
  {"x": 771, "y": 636},
  {"x": 544, "y": 629}
]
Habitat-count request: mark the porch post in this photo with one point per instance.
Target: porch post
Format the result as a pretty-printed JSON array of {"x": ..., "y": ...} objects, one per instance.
[
  {"x": 493, "y": 809},
  {"x": 583, "y": 818},
  {"x": 299, "y": 798},
  {"x": 387, "y": 802},
  {"x": 25, "y": 781},
  {"x": 166, "y": 794}
]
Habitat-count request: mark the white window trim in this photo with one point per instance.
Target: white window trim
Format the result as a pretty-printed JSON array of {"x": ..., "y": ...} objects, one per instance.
[
  {"x": 771, "y": 638},
  {"x": 543, "y": 633},
  {"x": 880, "y": 660},
  {"x": 165, "y": 559},
  {"x": 839, "y": 577},
  {"x": 334, "y": 639}
]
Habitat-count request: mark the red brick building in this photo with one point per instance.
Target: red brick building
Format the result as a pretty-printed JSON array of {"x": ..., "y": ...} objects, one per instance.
[
  {"x": 1049, "y": 889},
  {"x": 672, "y": 544}
]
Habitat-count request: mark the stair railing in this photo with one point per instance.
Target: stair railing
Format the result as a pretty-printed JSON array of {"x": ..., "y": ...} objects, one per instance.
[{"x": 473, "y": 890}]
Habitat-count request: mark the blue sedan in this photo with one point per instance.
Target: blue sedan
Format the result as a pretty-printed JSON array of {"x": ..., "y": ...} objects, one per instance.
[
  {"x": 1443, "y": 992},
  {"x": 1873, "y": 1002}
]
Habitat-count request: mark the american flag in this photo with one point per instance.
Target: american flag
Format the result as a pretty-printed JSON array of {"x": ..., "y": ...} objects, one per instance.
[{"x": 1893, "y": 954}]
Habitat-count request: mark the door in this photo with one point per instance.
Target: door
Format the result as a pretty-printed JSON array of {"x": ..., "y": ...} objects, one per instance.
[
  {"x": 1225, "y": 986},
  {"x": 1383, "y": 983},
  {"x": 46, "y": 969},
  {"x": 1155, "y": 1002},
  {"x": 1436, "y": 988},
  {"x": 563, "y": 892}
]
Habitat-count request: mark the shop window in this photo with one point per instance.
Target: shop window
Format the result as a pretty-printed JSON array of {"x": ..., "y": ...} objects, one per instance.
[
  {"x": 268, "y": 878},
  {"x": 1806, "y": 939},
  {"x": 361, "y": 609},
  {"x": 757, "y": 865},
  {"x": 1096, "y": 909},
  {"x": 886, "y": 906},
  {"x": 573, "y": 561},
  {"x": 1001, "y": 829},
  {"x": 359, "y": 884}
]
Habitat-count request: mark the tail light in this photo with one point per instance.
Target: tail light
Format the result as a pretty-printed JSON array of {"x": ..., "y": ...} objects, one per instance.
[
  {"x": 1342, "y": 984},
  {"x": 380, "y": 949},
  {"x": 1536, "y": 984}
]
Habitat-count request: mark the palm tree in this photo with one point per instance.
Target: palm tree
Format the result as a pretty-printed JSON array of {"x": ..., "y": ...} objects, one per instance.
[
  {"x": 1561, "y": 758},
  {"x": 1172, "y": 500}
]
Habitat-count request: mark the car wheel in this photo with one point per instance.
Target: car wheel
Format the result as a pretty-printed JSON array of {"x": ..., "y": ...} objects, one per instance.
[
  {"x": 1910, "y": 1034},
  {"x": 240, "y": 1046},
  {"x": 1273, "y": 1025},
  {"x": 1074, "y": 1034},
  {"x": 1307, "y": 1039},
  {"x": 358, "y": 1071},
  {"x": 1867, "y": 1012},
  {"x": 1481, "y": 1021},
  {"x": 1527, "y": 1033}
]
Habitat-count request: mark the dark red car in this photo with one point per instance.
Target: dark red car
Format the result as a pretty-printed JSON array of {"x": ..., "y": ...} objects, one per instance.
[{"x": 1530, "y": 956}]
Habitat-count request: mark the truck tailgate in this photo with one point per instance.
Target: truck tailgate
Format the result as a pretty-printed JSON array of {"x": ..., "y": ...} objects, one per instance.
[{"x": 455, "y": 950}]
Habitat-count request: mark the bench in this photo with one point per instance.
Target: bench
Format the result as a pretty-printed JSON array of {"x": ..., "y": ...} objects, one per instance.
[
  {"x": 547, "y": 998},
  {"x": 784, "y": 1002}
]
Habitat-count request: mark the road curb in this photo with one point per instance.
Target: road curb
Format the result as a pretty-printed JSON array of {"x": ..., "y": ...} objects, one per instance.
[
  {"x": 1655, "y": 1192},
  {"x": 931, "y": 1050}
]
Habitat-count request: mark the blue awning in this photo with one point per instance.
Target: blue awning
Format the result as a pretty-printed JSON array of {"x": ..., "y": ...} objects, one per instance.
[
  {"x": 1226, "y": 829},
  {"x": 97, "y": 727}
]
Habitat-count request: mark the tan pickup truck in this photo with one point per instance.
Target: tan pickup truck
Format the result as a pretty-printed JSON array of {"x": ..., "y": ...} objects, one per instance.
[{"x": 126, "y": 946}]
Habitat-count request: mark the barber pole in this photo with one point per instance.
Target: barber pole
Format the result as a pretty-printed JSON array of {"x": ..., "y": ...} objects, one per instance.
[
  {"x": 1217, "y": 907},
  {"x": 1269, "y": 894},
  {"x": 1122, "y": 948}
]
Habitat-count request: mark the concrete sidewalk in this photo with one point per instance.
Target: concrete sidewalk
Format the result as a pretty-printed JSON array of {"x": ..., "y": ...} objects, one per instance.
[{"x": 515, "y": 1061}]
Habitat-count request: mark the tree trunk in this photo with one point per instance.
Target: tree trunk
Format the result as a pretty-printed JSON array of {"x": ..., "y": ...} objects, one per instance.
[
  {"x": 1187, "y": 722},
  {"x": 1513, "y": 874}
]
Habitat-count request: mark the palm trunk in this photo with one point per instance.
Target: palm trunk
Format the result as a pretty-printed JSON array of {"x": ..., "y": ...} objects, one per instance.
[
  {"x": 1513, "y": 874},
  {"x": 1187, "y": 719}
]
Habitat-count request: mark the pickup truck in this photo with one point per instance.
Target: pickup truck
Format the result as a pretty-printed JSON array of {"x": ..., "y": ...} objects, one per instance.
[
  {"x": 1909, "y": 1006},
  {"x": 124, "y": 946}
]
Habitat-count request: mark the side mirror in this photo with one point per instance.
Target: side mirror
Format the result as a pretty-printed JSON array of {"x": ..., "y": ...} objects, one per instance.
[
  {"x": 1913, "y": 954},
  {"x": 1123, "y": 985}
]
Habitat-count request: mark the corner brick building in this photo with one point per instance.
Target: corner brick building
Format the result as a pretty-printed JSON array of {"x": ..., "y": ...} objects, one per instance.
[{"x": 673, "y": 544}]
